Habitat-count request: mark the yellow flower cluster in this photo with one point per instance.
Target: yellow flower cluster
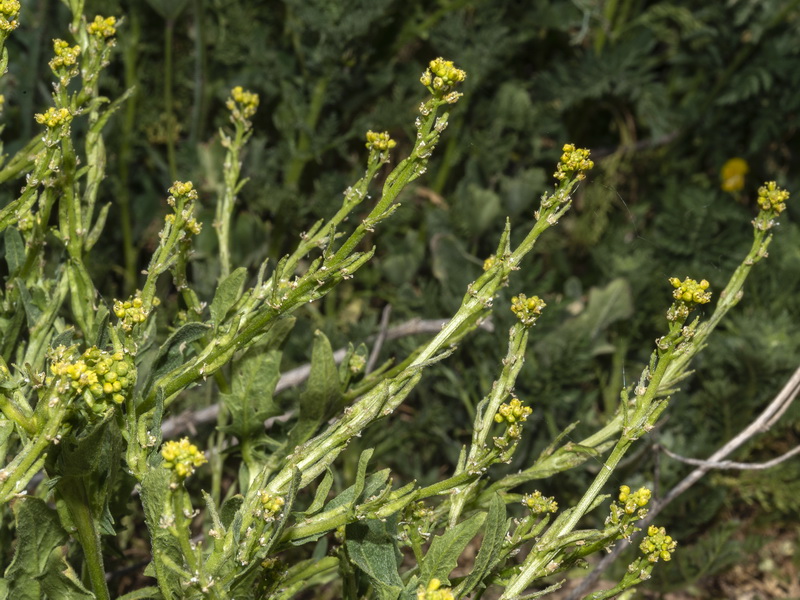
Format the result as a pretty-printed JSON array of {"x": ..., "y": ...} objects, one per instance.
[
  {"x": 102, "y": 28},
  {"x": 242, "y": 104},
  {"x": 435, "y": 591},
  {"x": 131, "y": 312},
  {"x": 573, "y": 159},
  {"x": 181, "y": 188},
  {"x": 182, "y": 457},
  {"x": 489, "y": 262},
  {"x": 513, "y": 412},
  {"x": 66, "y": 55},
  {"x": 105, "y": 375},
  {"x": 270, "y": 505},
  {"x": 9, "y": 11},
  {"x": 634, "y": 500},
  {"x": 184, "y": 191},
  {"x": 419, "y": 511},
  {"x": 381, "y": 142},
  {"x": 441, "y": 77},
  {"x": 690, "y": 291},
  {"x": 527, "y": 309},
  {"x": 772, "y": 198},
  {"x": 53, "y": 117},
  {"x": 539, "y": 504},
  {"x": 657, "y": 544}
]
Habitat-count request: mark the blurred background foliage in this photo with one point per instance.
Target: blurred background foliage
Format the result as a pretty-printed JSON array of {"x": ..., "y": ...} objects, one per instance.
[{"x": 664, "y": 93}]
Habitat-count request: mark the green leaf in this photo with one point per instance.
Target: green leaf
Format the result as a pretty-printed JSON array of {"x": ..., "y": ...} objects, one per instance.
[
  {"x": 166, "y": 551},
  {"x": 60, "y": 581},
  {"x": 372, "y": 547},
  {"x": 361, "y": 474},
  {"x": 227, "y": 294},
  {"x": 15, "y": 250},
  {"x": 39, "y": 534},
  {"x": 146, "y": 593},
  {"x": 608, "y": 305},
  {"x": 320, "y": 496},
  {"x": 322, "y": 394},
  {"x": 86, "y": 465},
  {"x": 494, "y": 533},
  {"x": 82, "y": 296},
  {"x": 442, "y": 556},
  {"x": 229, "y": 508},
  {"x": 173, "y": 351}
]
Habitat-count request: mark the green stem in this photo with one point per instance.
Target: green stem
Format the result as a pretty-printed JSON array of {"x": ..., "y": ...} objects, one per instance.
[
  {"x": 74, "y": 495},
  {"x": 129, "y": 250},
  {"x": 20, "y": 470},
  {"x": 303, "y": 153},
  {"x": 169, "y": 28},
  {"x": 12, "y": 413}
]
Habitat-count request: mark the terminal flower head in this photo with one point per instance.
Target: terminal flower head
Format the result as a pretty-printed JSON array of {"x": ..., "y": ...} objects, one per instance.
[
  {"x": 242, "y": 103},
  {"x": 441, "y": 77},
  {"x": 54, "y": 117},
  {"x": 102, "y": 28},
  {"x": 772, "y": 198},
  {"x": 691, "y": 291},
  {"x": 657, "y": 544},
  {"x": 9, "y": 11},
  {"x": 182, "y": 457},
  {"x": 527, "y": 309},
  {"x": 573, "y": 160},
  {"x": 66, "y": 56},
  {"x": 380, "y": 142},
  {"x": 539, "y": 504}
]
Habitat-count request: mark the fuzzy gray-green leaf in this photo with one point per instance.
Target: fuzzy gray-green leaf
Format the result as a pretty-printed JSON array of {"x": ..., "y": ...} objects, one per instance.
[
  {"x": 372, "y": 547},
  {"x": 442, "y": 556},
  {"x": 228, "y": 292}
]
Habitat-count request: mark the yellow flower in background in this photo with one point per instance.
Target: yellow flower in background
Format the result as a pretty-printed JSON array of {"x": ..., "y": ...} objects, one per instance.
[{"x": 732, "y": 174}]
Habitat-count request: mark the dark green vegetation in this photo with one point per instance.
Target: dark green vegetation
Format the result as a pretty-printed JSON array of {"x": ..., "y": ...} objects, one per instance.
[{"x": 663, "y": 93}]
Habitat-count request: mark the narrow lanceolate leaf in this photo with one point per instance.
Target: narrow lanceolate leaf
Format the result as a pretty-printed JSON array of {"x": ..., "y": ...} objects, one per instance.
[
  {"x": 494, "y": 533},
  {"x": 227, "y": 294},
  {"x": 372, "y": 547},
  {"x": 442, "y": 556}
]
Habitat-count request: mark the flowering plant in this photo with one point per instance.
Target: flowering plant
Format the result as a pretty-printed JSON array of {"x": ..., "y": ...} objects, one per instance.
[{"x": 87, "y": 381}]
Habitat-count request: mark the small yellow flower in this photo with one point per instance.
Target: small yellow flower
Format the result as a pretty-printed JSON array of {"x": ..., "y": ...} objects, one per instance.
[
  {"x": 527, "y": 309},
  {"x": 690, "y": 291},
  {"x": 380, "y": 142},
  {"x": 634, "y": 501},
  {"x": 66, "y": 56},
  {"x": 102, "y": 28},
  {"x": 434, "y": 591},
  {"x": 270, "y": 505},
  {"x": 242, "y": 104},
  {"x": 513, "y": 412},
  {"x": 53, "y": 117},
  {"x": 539, "y": 504},
  {"x": 182, "y": 457},
  {"x": 772, "y": 198},
  {"x": 657, "y": 544},
  {"x": 732, "y": 174},
  {"x": 9, "y": 11},
  {"x": 573, "y": 159},
  {"x": 441, "y": 77}
]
